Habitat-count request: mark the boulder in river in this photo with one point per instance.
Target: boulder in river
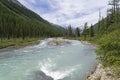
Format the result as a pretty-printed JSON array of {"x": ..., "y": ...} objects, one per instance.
[{"x": 39, "y": 75}]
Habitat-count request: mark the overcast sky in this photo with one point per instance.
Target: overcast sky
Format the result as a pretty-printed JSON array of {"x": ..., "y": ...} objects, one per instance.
[{"x": 65, "y": 12}]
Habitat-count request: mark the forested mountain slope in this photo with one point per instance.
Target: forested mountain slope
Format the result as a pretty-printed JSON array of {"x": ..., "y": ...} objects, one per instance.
[{"x": 16, "y": 21}]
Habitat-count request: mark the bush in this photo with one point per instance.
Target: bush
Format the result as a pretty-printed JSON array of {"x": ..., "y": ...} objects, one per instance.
[{"x": 109, "y": 50}]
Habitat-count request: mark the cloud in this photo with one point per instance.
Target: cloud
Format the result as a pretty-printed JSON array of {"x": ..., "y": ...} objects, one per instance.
[{"x": 65, "y": 12}]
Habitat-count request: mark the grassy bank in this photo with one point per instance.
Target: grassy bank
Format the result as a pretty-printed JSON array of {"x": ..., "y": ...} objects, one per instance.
[{"x": 16, "y": 43}]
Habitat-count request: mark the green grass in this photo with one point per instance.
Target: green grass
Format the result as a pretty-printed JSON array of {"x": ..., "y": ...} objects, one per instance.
[{"x": 18, "y": 42}]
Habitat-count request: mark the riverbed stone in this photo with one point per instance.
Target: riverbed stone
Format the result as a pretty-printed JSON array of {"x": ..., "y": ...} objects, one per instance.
[{"x": 42, "y": 76}]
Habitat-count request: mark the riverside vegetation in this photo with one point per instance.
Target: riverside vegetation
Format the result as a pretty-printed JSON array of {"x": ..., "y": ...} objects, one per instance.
[
  {"x": 18, "y": 42},
  {"x": 108, "y": 35}
]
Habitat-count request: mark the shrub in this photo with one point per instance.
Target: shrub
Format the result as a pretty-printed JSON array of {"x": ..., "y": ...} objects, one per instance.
[{"x": 109, "y": 50}]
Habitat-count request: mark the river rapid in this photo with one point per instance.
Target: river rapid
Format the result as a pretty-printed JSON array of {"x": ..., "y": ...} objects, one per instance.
[{"x": 72, "y": 61}]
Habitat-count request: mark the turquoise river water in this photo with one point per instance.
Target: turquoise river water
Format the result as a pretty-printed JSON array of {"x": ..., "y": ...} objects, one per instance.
[{"x": 66, "y": 62}]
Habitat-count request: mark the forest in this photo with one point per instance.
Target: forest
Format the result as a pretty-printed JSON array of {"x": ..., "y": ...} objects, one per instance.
[{"x": 19, "y": 22}]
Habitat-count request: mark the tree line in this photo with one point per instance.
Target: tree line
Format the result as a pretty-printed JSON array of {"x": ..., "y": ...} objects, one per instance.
[{"x": 88, "y": 31}]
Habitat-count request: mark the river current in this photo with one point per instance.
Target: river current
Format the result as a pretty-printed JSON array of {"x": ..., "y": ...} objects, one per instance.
[{"x": 73, "y": 61}]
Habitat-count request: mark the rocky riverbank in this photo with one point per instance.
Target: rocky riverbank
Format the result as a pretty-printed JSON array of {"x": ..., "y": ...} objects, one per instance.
[{"x": 102, "y": 74}]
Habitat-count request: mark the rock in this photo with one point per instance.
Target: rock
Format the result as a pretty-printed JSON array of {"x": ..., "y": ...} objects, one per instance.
[
  {"x": 102, "y": 74},
  {"x": 39, "y": 75},
  {"x": 56, "y": 42}
]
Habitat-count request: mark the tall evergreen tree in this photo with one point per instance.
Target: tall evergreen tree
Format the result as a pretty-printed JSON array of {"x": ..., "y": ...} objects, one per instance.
[
  {"x": 77, "y": 32},
  {"x": 114, "y": 11},
  {"x": 70, "y": 34},
  {"x": 85, "y": 30},
  {"x": 99, "y": 22},
  {"x": 91, "y": 31}
]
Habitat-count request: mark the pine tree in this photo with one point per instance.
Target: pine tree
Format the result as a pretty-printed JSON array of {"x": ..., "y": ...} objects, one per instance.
[
  {"x": 91, "y": 32},
  {"x": 85, "y": 30},
  {"x": 114, "y": 11},
  {"x": 70, "y": 34},
  {"x": 77, "y": 32},
  {"x": 99, "y": 22}
]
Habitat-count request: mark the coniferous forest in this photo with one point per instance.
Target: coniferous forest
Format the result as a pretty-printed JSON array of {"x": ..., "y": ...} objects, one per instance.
[{"x": 16, "y": 21}]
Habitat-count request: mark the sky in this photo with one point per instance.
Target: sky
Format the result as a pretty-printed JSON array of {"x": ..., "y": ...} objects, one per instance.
[{"x": 68, "y": 12}]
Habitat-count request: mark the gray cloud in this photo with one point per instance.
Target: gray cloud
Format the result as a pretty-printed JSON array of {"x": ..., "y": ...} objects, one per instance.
[{"x": 65, "y": 12}]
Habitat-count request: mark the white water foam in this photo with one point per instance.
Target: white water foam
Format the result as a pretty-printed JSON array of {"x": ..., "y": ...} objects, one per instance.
[
  {"x": 26, "y": 51},
  {"x": 48, "y": 69},
  {"x": 58, "y": 74},
  {"x": 43, "y": 44}
]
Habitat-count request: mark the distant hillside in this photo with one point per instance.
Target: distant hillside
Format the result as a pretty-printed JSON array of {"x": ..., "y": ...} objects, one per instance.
[
  {"x": 17, "y": 21},
  {"x": 58, "y": 26}
]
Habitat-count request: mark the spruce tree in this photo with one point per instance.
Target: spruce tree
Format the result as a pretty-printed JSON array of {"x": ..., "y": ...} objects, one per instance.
[
  {"x": 85, "y": 30},
  {"x": 70, "y": 34},
  {"x": 114, "y": 11},
  {"x": 77, "y": 32},
  {"x": 91, "y": 31}
]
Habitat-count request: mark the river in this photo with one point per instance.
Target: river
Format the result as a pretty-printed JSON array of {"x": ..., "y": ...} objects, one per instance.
[{"x": 65, "y": 62}]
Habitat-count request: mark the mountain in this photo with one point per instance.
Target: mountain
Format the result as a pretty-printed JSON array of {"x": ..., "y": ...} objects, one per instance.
[
  {"x": 58, "y": 26},
  {"x": 17, "y": 21},
  {"x": 16, "y": 2}
]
